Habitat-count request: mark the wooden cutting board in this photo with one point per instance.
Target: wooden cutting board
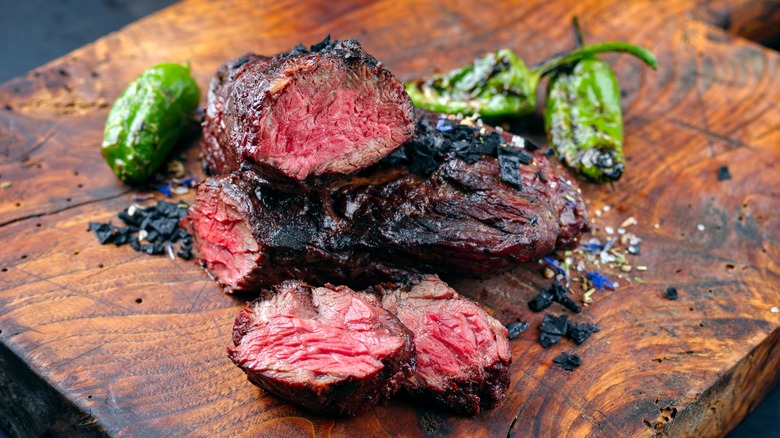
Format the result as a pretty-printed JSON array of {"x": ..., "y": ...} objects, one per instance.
[{"x": 98, "y": 339}]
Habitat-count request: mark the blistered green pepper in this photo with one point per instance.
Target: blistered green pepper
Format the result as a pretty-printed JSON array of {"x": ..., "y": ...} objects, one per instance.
[
  {"x": 583, "y": 120},
  {"x": 499, "y": 84},
  {"x": 148, "y": 119},
  {"x": 582, "y": 116}
]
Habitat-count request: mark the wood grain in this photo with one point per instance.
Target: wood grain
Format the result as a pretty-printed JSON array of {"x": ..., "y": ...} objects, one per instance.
[{"x": 103, "y": 340}]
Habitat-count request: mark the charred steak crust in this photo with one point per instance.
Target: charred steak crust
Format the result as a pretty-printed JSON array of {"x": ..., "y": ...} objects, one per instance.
[
  {"x": 303, "y": 115},
  {"x": 459, "y": 216},
  {"x": 463, "y": 354},
  {"x": 329, "y": 349}
]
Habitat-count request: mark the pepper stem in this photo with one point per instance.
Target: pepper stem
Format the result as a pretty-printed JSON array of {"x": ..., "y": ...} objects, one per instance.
[
  {"x": 592, "y": 49},
  {"x": 578, "y": 37}
]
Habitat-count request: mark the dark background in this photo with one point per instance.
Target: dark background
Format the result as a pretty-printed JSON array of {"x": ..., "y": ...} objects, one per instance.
[{"x": 33, "y": 32}]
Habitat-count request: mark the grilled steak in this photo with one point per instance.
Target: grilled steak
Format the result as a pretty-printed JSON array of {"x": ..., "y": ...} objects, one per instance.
[
  {"x": 451, "y": 200},
  {"x": 331, "y": 109},
  {"x": 328, "y": 349},
  {"x": 463, "y": 353}
]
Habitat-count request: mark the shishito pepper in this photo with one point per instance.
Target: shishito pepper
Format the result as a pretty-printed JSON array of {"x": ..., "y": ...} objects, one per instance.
[
  {"x": 583, "y": 119},
  {"x": 584, "y": 122},
  {"x": 148, "y": 119},
  {"x": 500, "y": 84}
]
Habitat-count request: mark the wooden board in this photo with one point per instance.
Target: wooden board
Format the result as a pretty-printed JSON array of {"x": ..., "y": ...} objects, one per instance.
[{"x": 97, "y": 339}]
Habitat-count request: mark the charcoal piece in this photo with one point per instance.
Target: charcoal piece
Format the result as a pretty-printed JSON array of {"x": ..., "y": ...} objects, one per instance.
[
  {"x": 568, "y": 361},
  {"x": 671, "y": 293},
  {"x": 165, "y": 226},
  {"x": 103, "y": 231},
  {"x": 541, "y": 301},
  {"x": 558, "y": 326},
  {"x": 524, "y": 157},
  {"x": 515, "y": 328},
  {"x": 134, "y": 220},
  {"x": 724, "y": 173},
  {"x": 460, "y": 132},
  {"x": 134, "y": 243},
  {"x": 580, "y": 333},
  {"x": 570, "y": 304},
  {"x": 122, "y": 235},
  {"x": 510, "y": 169},
  {"x": 547, "y": 340},
  {"x": 185, "y": 253}
]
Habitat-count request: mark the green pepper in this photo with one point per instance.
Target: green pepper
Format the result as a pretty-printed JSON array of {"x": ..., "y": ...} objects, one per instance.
[
  {"x": 147, "y": 121},
  {"x": 583, "y": 119},
  {"x": 500, "y": 84}
]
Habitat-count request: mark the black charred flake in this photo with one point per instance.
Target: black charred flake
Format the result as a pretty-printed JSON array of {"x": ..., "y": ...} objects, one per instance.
[
  {"x": 103, "y": 231},
  {"x": 549, "y": 153},
  {"x": 541, "y": 301},
  {"x": 516, "y": 328},
  {"x": 671, "y": 293},
  {"x": 547, "y": 340},
  {"x": 555, "y": 293},
  {"x": 580, "y": 333},
  {"x": 160, "y": 223},
  {"x": 724, "y": 173},
  {"x": 510, "y": 169},
  {"x": 568, "y": 361},
  {"x": 553, "y": 325}
]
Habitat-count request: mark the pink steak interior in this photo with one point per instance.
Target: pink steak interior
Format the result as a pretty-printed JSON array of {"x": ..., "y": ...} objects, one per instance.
[
  {"x": 332, "y": 337},
  {"x": 333, "y": 120},
  {"x": 224, "y": 238}
]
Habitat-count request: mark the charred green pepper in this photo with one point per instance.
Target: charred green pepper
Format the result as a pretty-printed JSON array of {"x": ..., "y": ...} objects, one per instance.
[
  {"x": 500, "y": 84},
  {"x": 583, "y": 119},
  {"x": 148, "y": 119}
]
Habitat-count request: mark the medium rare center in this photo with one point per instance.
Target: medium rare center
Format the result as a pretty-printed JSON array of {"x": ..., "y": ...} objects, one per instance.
[
  {"x": 330, "y": 349},
  {"x": 304, "y": 114}
]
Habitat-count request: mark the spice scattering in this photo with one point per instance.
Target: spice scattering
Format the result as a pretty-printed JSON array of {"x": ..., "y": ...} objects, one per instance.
[{"x": 152, "y": 230}]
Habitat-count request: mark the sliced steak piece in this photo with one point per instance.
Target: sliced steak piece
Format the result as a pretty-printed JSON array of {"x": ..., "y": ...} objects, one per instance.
[
  {"x": 328, "y": 349},
  {"x": 391, "y": 219},
  {"x": 333, "y": 109},
  {"x": 463, "y": 353}
]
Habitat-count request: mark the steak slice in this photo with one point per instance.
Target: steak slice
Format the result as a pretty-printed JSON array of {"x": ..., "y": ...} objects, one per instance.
[
  {"x": 463, "y": 353},
  {"x": 332, "y": 109},
  {"x": 328, "y": 349},
  {"x": 457, "y": 216}
]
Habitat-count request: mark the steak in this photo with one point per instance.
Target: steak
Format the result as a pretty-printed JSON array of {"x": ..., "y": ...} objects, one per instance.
[
  {"x": 328, "y": 349},
  {"x": 463, "y": 353},
  {"x": 452, "y": 200},
  {"x": 330, "y": 109}
]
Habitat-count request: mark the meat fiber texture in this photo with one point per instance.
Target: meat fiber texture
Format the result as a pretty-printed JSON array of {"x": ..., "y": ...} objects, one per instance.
[
  {"x": 463, "y": 354},
  {"x": 451, "y": 200},
  {"x": 303, "y": 115},
  {"x": 328, "y": 349}
]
